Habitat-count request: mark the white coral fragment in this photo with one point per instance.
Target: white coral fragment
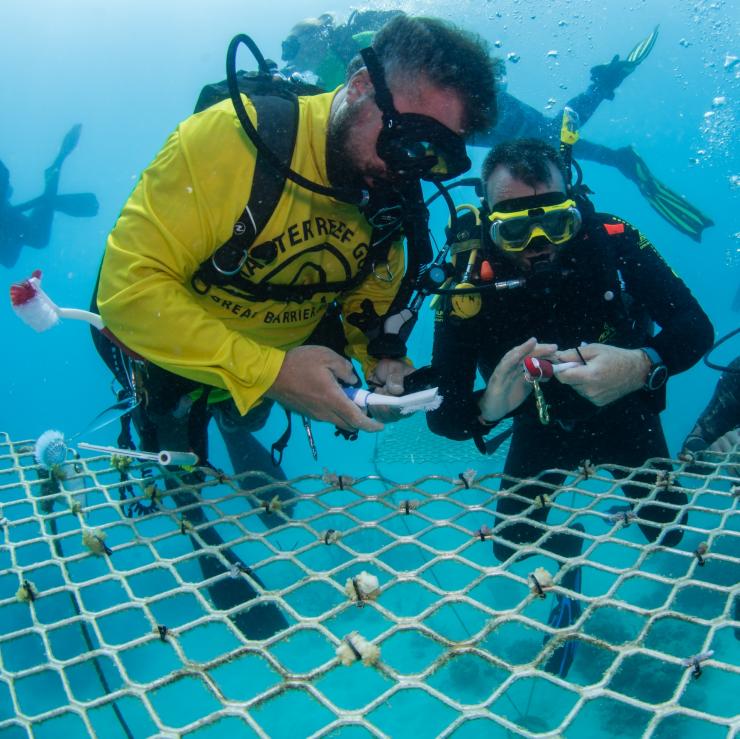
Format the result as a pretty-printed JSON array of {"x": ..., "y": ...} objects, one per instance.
[
  {"x": 356, "y": 648},
  {"x": 540, "y": 580},
  {"x": 363, "y": 587}
]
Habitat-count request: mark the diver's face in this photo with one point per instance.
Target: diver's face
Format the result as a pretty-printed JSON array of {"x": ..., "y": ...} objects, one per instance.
[
  {"x": 356, "y": 123},
  {"x": 305, "y": 49},
  {"x": 502, "y": 185}
]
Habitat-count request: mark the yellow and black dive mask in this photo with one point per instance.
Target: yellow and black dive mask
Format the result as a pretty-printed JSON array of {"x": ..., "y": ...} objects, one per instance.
[
  {"x": 515, "y": 222},
  {"x": 413, "y": 146}
]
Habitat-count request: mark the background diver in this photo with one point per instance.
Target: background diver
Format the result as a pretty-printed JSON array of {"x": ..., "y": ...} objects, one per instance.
[
  {"x": 17, "y": 229},
  {"x": 322, "y": 49}
]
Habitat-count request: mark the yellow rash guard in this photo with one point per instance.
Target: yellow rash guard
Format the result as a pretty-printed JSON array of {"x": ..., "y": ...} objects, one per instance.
[{"x": 184, "y": 208}]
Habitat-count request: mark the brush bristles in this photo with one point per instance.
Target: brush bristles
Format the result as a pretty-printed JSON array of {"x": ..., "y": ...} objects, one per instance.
[{"x": 39, "y": 313}]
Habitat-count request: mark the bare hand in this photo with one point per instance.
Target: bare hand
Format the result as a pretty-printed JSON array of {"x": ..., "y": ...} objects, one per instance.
[
  {"x": 507, "y": 389},
  {"x": 388, "y": 379},
  {"x": 726, "y": 444},
  {"x": 308, "y": 384},
  {"x": 610, "y": 373}
]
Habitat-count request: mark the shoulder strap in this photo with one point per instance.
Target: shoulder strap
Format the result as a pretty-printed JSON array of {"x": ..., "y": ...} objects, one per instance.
[{"x": 277, "y": 119}]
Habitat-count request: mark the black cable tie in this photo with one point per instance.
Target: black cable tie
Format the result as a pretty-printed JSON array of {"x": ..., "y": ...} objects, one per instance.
[
  {"x": 354, "y": 649},
  {"x": 538, "y": 587},
  {"x": 29, "y": 590},
  {"x": 699, "y": 553},
  {"x": 358, "y": 592}
]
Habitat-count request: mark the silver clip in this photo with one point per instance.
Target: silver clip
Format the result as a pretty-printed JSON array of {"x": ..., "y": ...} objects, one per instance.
[{"x": 388, "y": 277}]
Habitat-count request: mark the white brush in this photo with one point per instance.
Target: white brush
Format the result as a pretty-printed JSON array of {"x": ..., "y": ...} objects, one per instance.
[
  {"x": 424, "y": 400},
  {"x": 51, "y": 452},
  {"x": 35, "y": 308}
]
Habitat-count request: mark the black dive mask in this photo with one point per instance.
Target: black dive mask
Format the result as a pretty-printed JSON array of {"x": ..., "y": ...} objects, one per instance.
[{"x": 414, "y": 146}]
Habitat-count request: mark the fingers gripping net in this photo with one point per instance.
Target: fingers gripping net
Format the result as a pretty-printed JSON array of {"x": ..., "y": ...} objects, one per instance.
[{"x": 131, "y": 643}]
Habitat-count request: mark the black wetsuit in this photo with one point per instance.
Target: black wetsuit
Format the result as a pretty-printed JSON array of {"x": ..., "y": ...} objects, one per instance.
[
  {"x": 517, "y": 120},
  {"x": 721, "y": 415},
  {"x": 18, "y": 229},
  {"x": 587, "y": 303}
]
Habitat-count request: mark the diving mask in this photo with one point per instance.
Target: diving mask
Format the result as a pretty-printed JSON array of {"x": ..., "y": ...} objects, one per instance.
[
  {"x": 514, "y": 223},
  {"x": 414, "y": 146}
]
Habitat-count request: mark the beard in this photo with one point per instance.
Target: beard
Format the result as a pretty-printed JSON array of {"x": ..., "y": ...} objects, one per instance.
[
  {"x": 341, "y": 165},
  {"x": 340, "y": 169}
]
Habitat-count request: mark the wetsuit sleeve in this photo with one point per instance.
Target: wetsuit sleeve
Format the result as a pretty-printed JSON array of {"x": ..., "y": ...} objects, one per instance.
[
  {"x": 455, "y": 362},
  {"x": 721, "y": 415},
  {"x": 685, "y": 330},
  {"x": 516, "y": 120},
  {"x": 373, "y": 296},
  {"x": 585, "y": 103},
  {"x": 181, "y": 210}
]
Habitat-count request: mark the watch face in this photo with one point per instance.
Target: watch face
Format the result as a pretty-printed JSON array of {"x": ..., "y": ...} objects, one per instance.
[{"x": 657, "y": 377}]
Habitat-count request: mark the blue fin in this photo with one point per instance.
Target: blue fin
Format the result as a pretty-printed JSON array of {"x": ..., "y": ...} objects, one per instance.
[{"x": 564, "y": 613}]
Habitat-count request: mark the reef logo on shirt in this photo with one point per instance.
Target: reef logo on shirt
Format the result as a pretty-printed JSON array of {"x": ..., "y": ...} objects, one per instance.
[{"x": 294, "y": 258}]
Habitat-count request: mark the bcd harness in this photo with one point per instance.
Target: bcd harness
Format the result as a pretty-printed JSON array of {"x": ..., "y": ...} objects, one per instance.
[{"x": 278, "y": 112}]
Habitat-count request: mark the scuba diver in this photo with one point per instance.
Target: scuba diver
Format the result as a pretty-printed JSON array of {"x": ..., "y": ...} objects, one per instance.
[
  {"x": 18, "y": 229},
  {"x": 322, "y": 50},
  {"x": 538, "y": 261},
  {"x": 220, "y": 303}
]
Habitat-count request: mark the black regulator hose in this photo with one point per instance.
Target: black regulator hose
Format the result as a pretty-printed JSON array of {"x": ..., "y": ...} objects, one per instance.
[
  {"x": 716, "y": 345},
  {"x": 347, "y": 195}
]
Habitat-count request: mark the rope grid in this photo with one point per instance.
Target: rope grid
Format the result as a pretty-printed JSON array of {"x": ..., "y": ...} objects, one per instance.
[{"x": 130, "y": 643}]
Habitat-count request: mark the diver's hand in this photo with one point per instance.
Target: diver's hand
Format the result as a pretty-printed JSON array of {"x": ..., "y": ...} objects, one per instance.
[
  {"x": 507, "y": 389},
  {"x": 610, "y": 373},
  {"x": 387, "y": 379},
  {"x": 726, "y": 444},
  {"x": 308, "y": 384}
]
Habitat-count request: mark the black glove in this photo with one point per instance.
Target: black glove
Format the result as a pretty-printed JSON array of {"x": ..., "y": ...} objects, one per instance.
[{"x": 608, "y": 77}]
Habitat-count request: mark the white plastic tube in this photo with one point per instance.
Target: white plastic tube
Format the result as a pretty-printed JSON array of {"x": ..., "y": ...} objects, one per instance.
[{"x": 165, "y": 457}]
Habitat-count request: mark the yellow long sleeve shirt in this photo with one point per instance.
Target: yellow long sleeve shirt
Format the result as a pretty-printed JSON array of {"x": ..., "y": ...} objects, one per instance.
[{"x": 184, "y": 207}]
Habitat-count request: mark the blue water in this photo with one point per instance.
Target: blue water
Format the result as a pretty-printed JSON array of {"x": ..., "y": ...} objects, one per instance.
[{"x": 130, "y": 71}]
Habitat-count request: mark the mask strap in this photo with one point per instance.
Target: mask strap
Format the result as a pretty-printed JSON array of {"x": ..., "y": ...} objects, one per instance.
[{"x": 383, "y": 96}]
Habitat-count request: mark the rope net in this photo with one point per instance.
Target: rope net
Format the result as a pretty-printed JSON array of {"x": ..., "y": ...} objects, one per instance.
[{"x": 138, "y": 601}]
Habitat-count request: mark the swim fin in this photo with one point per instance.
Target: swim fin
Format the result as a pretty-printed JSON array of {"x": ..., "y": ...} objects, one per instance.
[
  {"x": 608, "y": 77},
  {"x": 671, "y": 206},
  {"x": 641, "y": 50},
  {"x": 259, "y": 621},
  {"x": 564, "y": 613},
  {"x": 78, "y": 205},
  {"x": 69, "y": 143}
]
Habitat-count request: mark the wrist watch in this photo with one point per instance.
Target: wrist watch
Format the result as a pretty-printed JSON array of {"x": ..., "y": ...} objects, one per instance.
[{"x": 658, "y": 372}]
